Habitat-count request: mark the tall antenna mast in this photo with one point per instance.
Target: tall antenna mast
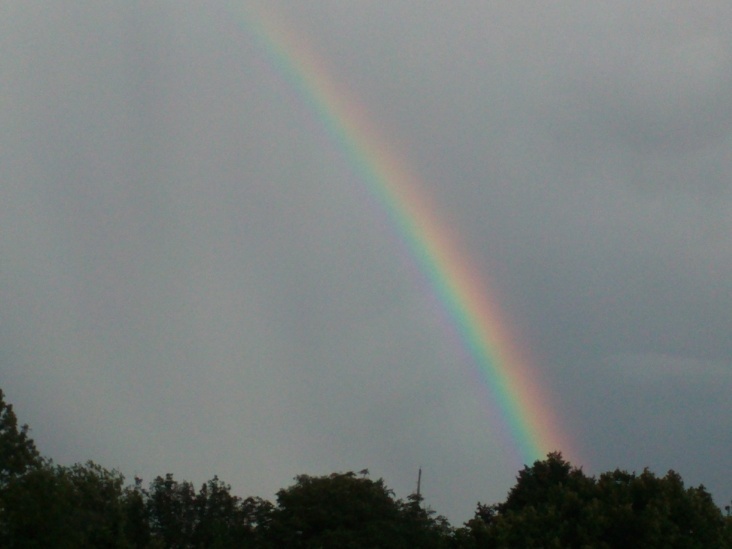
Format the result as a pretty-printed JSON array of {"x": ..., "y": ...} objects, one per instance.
[{"x": 419, "y": 482}]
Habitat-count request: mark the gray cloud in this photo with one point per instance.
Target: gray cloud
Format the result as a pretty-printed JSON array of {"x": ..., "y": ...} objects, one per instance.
[{"x": 195, "y": 280}]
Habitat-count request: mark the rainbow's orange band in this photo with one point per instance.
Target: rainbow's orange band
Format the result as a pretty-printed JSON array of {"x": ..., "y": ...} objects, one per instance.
[{"x": 461, "y": 289}]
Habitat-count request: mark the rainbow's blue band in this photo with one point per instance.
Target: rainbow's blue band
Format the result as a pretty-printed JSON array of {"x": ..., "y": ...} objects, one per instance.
[{"x": 462, "y": 291}]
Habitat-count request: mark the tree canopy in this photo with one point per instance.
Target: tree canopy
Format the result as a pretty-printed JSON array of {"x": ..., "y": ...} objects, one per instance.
[
  {"x": 18, "y": 452},
  {"x": 553, "y": 504},
  {"x": 343, "y": 511}
]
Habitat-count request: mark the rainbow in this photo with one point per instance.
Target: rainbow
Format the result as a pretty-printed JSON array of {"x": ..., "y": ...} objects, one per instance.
[{"x": 474, "y": 314}]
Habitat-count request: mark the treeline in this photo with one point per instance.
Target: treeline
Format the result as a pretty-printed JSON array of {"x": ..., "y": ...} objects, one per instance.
[{"x": 553, "y": 504}]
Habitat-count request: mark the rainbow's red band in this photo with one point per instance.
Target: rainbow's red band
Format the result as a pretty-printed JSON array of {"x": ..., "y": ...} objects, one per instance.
[{"x": 461, "y": 289}]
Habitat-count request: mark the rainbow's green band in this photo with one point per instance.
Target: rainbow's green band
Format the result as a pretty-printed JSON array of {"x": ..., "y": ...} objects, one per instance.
[{"x": 461, "y": 290}]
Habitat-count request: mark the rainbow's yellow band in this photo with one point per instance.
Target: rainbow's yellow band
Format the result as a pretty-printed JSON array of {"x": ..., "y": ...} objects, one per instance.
[{"x": 460, "y": 288}]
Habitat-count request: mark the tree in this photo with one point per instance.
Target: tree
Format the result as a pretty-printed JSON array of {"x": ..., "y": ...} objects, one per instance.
[
  {"x": 657, "y": 511},
  {"x": 56, "y": 506},
  {"x": 172, "y": 511},
  {"x": 554, "y": 504},
  {"x": 212, "y": 518},
  {"x": 223, "y": 520},
  {"x": 137, "y": 522},
  {"x": 95, "y": 504},
  {"x": 343, "y": 511},
  {"x": 18, "y": 452},
  {"x": 422, "y": 526}
]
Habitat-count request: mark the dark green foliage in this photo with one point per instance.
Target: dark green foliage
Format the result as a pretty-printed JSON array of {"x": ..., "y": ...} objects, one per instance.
[
  {"x": 178, "y": 517},
  {"x": 657, "y": 511},
  {"x": 17, "y": 450},
  {"x": 424, "y": 528},
  {"x": 171, "y": 508},
  {"x": 95, "y": 494},
  {"x": 136, "y": 522},
  {"x": 86, "y": 506},
  {"x": 222, "y": 521},
  {"x": 344, "y": 511},
  {"x": 552, "y": 505},
  {"x": 55, "y": 506},
  {"x": 556, "y": 505}
]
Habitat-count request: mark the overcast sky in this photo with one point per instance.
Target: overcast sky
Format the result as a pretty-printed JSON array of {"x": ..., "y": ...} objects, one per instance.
[{"x": 192, "y": 282}]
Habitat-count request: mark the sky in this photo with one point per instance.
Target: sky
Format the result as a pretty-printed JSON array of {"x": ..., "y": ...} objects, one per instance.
[{"x": 197, "y": 279}]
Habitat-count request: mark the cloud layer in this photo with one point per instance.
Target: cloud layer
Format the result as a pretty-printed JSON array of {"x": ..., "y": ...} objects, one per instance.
[{"x": 193, "y": 281}]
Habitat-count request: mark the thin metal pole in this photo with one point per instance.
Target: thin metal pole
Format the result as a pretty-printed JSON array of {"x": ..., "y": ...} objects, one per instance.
[{"x": 419, "y": 482}]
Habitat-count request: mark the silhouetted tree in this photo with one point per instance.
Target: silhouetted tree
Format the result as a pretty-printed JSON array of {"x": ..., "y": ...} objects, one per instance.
[
  {"x": 554, "y": 504},
  {"x": 56, "y": 506},
  {"x": 223, "y": 520},
  {"x": 137, "y": 523},
  {"x": 344, "y": 511},
  {"x": 17, "y": 450},
  {"x": 172, "y": 511}
]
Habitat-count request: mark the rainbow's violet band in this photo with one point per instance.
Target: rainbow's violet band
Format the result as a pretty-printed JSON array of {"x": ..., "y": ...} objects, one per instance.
[{"x": 461, "y": 290}]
